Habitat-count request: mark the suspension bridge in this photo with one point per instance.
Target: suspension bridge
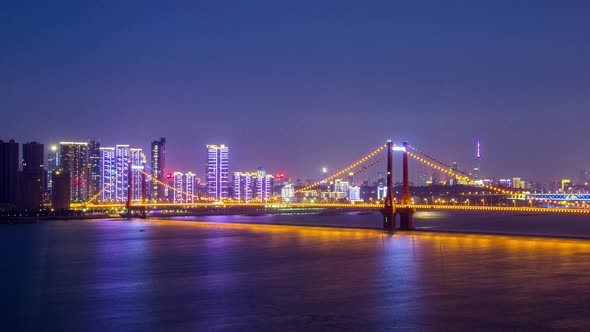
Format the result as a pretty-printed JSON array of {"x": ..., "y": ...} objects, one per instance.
[{"x": 393, "y": 212}]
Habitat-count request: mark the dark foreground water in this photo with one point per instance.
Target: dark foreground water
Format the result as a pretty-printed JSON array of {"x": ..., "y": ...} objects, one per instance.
[{"x": 115, "y": 275}]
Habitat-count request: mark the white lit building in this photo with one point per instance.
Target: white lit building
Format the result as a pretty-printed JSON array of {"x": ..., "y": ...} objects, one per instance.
[
  {"x": 354, "y": 193},
  {"x": 178, "y": 197},
  {"x": 288, "y": 192},
  {"x": 189, "y": 188},
  {"x": 381, "y": 192},
  {"x": 341, "y": 186},
  {"x": 243, "y": 187},
  {"x": 184, "y": 188},
  {"x": 217, "y": 171},
  {"x": 137, "y": 160},
  {"x": 107, "y": 173},
  {"x": 115, "y": 161},
  {"x": 263, "y": 185},
  {"x": 121, "y": 163}
]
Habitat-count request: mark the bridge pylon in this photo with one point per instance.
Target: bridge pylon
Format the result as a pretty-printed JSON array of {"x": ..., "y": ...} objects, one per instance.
[
  {"x": 129, "y": 188},
  {"x": 388, "y": 210},
  {"x": 143, "y": 195},
  {"x": 406, "y": 214}
]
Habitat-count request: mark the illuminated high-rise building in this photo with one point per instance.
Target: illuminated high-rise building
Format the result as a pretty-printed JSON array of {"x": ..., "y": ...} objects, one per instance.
[
  {"x": 138, "y": 161},
  {"x": 184, "y": 188},
  {"x": 354, "y": 193},
  {"x": 74, "y": 161},
  {"x": 190, "y": 188},
  {"x": 341, "y": 186},
  {"x": 263, "y": 185},
  {"x": 243, "y": 186},
  {"x": 94, "y": 170},
  {"x": 217, "y": 171},
  {"x": 288, "y": 192},
  {"x": 158, "y": 166},
  {"x": 121, "y": 165},
  {"x": 125, "y": 155},
  {"x": 178, "y": 184},
  {"x": 107, "y": 173},
  {"x": 52, "y": 165}
]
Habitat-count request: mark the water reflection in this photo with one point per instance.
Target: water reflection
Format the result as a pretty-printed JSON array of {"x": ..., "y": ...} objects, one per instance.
[{"x": 181, "y": 275}]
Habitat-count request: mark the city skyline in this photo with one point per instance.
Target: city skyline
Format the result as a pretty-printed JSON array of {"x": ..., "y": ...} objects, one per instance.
[
  {"x": 301, "y": 165},
  {"x": 473, "y": 166},
  {"x": 513, "y": 75}
]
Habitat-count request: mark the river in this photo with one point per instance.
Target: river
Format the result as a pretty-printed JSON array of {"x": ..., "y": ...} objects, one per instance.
[{"x": 235, "y": 274}]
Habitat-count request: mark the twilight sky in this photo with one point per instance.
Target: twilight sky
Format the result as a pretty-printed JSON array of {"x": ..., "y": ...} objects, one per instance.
[{"x": 295, "y": 85}]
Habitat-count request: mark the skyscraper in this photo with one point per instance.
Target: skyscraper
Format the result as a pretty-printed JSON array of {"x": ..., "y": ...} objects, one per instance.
[
  {"x": 178, "y": 182},
  {"x": 158, "y": 165},
  {"x": 263, "y": 185},
  {"x": 8, "y": 173},
  {"x": 190, "y": 187},
  {"x": 94, "y": 170},
  {"x": 217, "y": 171},
  {"x": 52, "y": 166},
  {"x": 121, "y": 165},
  {"x": 243, "y": 187},
  {"x": 137, "y": 160},
  {"x": 107, "y": 173},
  {"x": 288, "y": 192},
  {"x": 123, "y": 155},
  {"x": 184, "y": 187},
  {"x": 74, "y": 161},
  {"x": 32, "y": 177}
]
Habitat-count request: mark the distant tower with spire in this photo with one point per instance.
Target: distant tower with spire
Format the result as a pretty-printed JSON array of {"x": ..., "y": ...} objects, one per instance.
[{"x": 477, "y": 168}]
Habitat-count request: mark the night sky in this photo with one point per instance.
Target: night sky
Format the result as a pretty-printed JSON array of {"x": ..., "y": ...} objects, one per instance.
[{"x": 296, "y": 85}]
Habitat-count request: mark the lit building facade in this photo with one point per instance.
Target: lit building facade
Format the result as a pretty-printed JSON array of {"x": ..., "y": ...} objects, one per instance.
[
  {"x": 184, "y": 187},
  {"x": 518, "y": 183},
  {"x": 354, "y": 193},
  {"x": 115, "y": 172},
  {"x": 341, "y": 186},
  {"x": 178, "y": 184},
  {"x": 94, "y": 170},
  {"x": 138, "y": 161},
  {"x": 158, "y": 166},
  {"x": 52, "y": 165},
  {"x": 253, "y": 186},
  {"x": 74, "y": 161},
  {"x": 190, "y": 187},
  {"x": 288, "y": 193},
  {"x": 243, "y": 186},
  {"x": 107, "y": 173},
  {"x": 121, "y": 169},
  {"x": 217, "y": 171},
  {"x": 263, "y": 185}
]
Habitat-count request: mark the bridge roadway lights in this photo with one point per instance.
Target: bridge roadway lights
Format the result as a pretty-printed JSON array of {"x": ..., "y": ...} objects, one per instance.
[{"x": 406, "y": 218}]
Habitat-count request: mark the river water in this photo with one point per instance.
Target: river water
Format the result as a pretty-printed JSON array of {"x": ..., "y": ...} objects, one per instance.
[{"x": 233, "y": 274}]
